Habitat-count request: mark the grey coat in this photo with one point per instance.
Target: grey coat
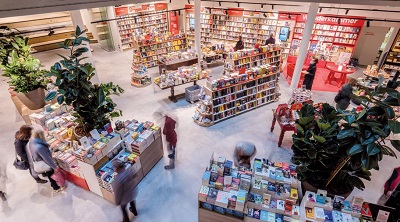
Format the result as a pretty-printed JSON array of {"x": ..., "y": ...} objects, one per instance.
[
  {"x": 124, "y": 187},
  {"x": 40, "y": 150}
]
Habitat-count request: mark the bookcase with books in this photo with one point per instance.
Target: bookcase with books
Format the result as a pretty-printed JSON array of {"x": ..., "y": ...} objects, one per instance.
[
  {"x": 140, "y": 20},
  {"x": 226, "y": 25},
  {"x": 203, "y": 113},
  {"x": 148, "y": 52},
  {"x": 230, "y": 193},
  {"x": 329, "y": 36},
  {"x": 139, "y": 76},
  {"x": 392, "y": 62}
]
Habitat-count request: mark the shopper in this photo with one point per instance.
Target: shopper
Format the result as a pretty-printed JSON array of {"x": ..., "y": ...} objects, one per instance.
[
  {"x": 310, "y": 74},
  {"x": 124, "y": 189},
  {"x": 239, "y": 44},
  {"x": 171, "y": 138},
  {"x": 39, "y": 150},
  {"x": 342, "y": 99},
  {"x": 244, "y": 152},
  {"x": 270, "y": 40},
  {"x": 21, "y": 140}
]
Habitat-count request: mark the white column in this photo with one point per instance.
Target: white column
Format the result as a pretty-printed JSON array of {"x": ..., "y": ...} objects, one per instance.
[
  {"x": 116, "y": 37},
  {"x": 197, "y": 28},
  {"x": 389, "y": 42},
  {"x": 312, "y": 13},
  {"x": 78, "y": 21}
]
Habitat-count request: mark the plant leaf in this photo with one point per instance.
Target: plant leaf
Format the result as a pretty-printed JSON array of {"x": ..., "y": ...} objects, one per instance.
[
  {"x": 396, "y": 144},
  {"x": 394, "y": 126},
  {"x": 312, "y": 153},
  {"x": 372, "y": 149},
  {"x": 361, "y": 114},
  {"x": 345, "y": 133},
  {"x": 51, "y": 95},
  {"x": 60, "y": 99},
  {"x": 357, "y": 148}
]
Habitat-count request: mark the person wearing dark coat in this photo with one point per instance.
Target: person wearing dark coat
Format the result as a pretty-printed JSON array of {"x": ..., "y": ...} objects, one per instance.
[
  {"x": 342, "y": 99},
  {"x": 124, "y": 189},
  {"x": 21, "y": 140},
  {"x": 310, "y": 74},
  {"x": 171, "y": 138},
  {"x": 270, "y": 40},
  {"x": 244, "y": 153},
  {"x": 239, "y": 44}
]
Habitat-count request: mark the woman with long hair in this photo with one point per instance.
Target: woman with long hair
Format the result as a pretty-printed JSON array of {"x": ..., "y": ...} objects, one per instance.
[
  {"x": 40, "y": 151},
  {"x": 21, "y": 140}
]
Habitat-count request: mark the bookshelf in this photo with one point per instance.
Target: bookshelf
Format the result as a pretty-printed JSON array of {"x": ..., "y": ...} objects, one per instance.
[
  {"x": 329, "y": 36},
  {"x": 392, "y": 60},
  {"x": 148, "y": 51},
  {"x": 139, "y": 21},
  {"x": 252, "y": 58},
  {"x": 218, "y": 26}
]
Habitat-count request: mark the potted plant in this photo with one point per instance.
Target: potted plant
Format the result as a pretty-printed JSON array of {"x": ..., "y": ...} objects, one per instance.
[
  {"x": 334, "y": 149},
  {"x": 26, "y": 77},
  {"x": 92, "y": 103}
]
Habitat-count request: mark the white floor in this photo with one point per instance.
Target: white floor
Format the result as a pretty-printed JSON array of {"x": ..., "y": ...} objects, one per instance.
[{"x": 169, "y": 196}]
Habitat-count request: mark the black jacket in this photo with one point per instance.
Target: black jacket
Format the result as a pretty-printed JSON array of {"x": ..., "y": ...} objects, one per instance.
[
  {"x": 20, "y": 149},
  {"x": 239, "y": 45},
  {"x": 270, "y": 41},
  {"x": 309, "y": 78}
]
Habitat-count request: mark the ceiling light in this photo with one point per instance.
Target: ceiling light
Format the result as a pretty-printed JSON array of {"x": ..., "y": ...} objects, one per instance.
[
  {"x": 320, "y": 10},
  {"x": 188, "y": 1},
  {"x": 174, "y": 13},
  {"x": 262, "y": 6},
  {"x": 273, "y": 6},
  {"x": 265, "y": 15},
  {"x": 179, "y": 12},
  {"x": 219, "y": 4},
  {"x": 238, "y": 4},
  {"x": 338, "y": 21},
  {"x": 170, "y": 1},
  {"x": 368, "y": 23},
  {"x": 347, "y": 12}
]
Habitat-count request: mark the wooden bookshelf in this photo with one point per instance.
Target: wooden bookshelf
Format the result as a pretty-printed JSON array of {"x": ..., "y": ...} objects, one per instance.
[{"x": 392, "y": 60}]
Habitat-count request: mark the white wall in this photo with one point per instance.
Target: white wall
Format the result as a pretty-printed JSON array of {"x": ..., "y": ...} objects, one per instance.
[{"x": 368, "y": 44}]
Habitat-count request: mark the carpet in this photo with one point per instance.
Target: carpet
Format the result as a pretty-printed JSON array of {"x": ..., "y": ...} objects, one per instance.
[{"x": 319, "y": 80}]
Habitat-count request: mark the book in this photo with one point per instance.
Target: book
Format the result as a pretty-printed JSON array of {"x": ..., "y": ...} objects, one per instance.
[
  {"x": 383, "y": 216},
  {"x": 309, "y": 213},
  {"x": 222, "y": 199},
  {"x": 256, "y": 214},
  {"x": 206, "y": 178},
  {"x": 319, "y": 214},
  {"x": 280, "y": 206},
  {"x": 271, "y": 187},
  {"x": 250, "y": 212},
  {"x": 278, "y": 218},
  {"x": 328, "y": 216},
  {"x": 263, "y": 215},
  {"x": 235, "y": 183},
  {"x": 266, "y": 200},
  {"x": 271, "y": 174},
  {"x": 294, "y": 194},
  {"x": 257, "y": 199},
  {"x": 279, "y": 176},
  {"x": 245, "y": 183},
  {"x": 321, "y": 196},
  {"x": 232, "y": 198},
  {"x": 356, "y": 204},
  {"x": 219, "y": 184},
  {"x": 264, "y": 185},
  {"x": 289, "y": 206},
  {"x": 286, "y": 190},
  {"x": 251, "y": 197},
  {"x": 257, "y": 182},
  {"x": 338, "y": 202},
  {"x": 328, "y": 204},
  {"x": 337, "y": 216},
  {"x": 279, "y": 189},
  {"x": 311, "y": 197},
  {"x": 296, "y": 211},
  {"x": 212, "y": 195},
  {"x": 207, "y": 206},
  {"x": 227, "y": 168},
  {"x": 227, "y": 181},
  {"x": 347, "y": 207},
  {"x": 273, "y": 205},
  {"x": 203, "y": 193},
  {"x": 271, "y": 217},
  {"x": 213, "y": 177},
  {"x": 365, "y": 211},
  {"x": 347, "y": 217}
]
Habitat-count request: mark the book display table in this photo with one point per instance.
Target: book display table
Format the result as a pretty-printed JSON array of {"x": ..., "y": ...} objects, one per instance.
[
  {"x": 89, "y": 162},
  {"x": 175, "y": 65},
  {"x": 343, "y": 74}
]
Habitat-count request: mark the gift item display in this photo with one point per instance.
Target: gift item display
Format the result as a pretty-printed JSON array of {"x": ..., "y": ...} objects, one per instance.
[
  {"x": 392, "y": 61},
  {"x": 203, "y": 113},
  {"x": 236, "y": 93},
  {"x": 87, "y": 161},
  {"x": 252, "y": 58},
  {"x": 372, "y": 72},
  {"x": 177, "y": 57},
  {"x": 224, "y": 190},
  {"x": 274, "y": 192},
  {"x": 228, "y": 24},
  {"x": 140, "y": 77},
  {"x": 214, "y": 54},
  {"x": 329, "y": 37},
  {"x": 181, "y": 76},
  {"x": 300, "y": 95},
  {"x": 139, "y": 21},
  {"x": 318, "y": 207},
  {"x": 148, "y": 51}
]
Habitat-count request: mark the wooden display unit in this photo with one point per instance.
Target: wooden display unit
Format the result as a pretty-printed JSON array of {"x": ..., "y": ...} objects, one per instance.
[
  {"x": 392, "y": 60},
  {"x": 272, "y": 57},
  {"x": 177, "y": 64},
  {"x": 138, "y": 20},
  {"x": 207, "y": 216},
  {"x": 148, "y": 53},
  {"x": 204, "y": 111}
]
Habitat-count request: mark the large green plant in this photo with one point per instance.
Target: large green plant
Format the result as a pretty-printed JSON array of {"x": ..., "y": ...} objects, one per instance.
[
  {"x": 23, "y": 70},
  {"x": 92, "y": 103},
  {"x": 334, "y": 149}
]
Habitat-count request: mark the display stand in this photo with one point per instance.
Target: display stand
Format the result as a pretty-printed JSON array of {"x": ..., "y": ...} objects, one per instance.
[
  {"x": 23, "y": 110},
  {"x": 203, "y": 114},
  {"x": 140, "y": 77},
  {"x": 177, "y": 64}
]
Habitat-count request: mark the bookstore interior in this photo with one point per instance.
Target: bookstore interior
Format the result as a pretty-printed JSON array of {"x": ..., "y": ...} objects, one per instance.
[{"x": 228, "y": 58}]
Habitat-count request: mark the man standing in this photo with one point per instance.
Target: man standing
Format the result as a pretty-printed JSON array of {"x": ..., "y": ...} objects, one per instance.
[{"x": 270, "y": 40}]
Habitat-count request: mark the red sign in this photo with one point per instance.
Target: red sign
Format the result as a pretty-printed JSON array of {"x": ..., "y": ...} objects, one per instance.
[
  {"x": 121, "y": 11},
  {"x": 160, "y": 6},
  {"x": 132, "y": 9},
  {"x": 235, "y": 11},
  {"x": 173, "y": 23},
  {"x": 333, "y": 20}
]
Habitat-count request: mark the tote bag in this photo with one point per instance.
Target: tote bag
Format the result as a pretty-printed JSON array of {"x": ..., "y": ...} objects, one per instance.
[
  {"x": 20, "y": 164},
  {"x": 38, "y": 166}
]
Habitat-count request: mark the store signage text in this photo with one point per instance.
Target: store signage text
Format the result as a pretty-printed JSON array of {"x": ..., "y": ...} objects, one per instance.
[{"x": 352, "y": 21}]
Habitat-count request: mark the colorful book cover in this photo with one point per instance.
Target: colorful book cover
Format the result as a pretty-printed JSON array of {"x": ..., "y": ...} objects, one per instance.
[
  {"x": 347, "y": 207},
  {"x": 337, "y": 216},
  {"x": 273, "y": 204},
  {"x": 328, "y": 216},
  {"x": 271, "y": 173},
  {"x": 280, "y": 205},
  {"x": 338, "y": 202},
  {"x": 207, "y": 206},
  {"x": 271, "y": 217},
  {"x": 294, "y": 194},
  {"x": 296, "y": 210},
  {"x": 365, "y": 211},
  {"x": 250, "y": 212},
  {"x": 263, "y": 215},
  {"x": 219, "y": 209},
  {"x": 356, "y": 204},
  {"x": 264, "y": 184},
  {"x": 279, "y": 176},
  {"x": 278, "y": 164},
  {"x": 321, "y": 197},
  {"x": 227, "y": 181},
  {"x": 319, "y": 214},
  {"x": 256, "y": 214},
  {"x": 309, "y": 213},
  {"x": 288, "y": 206},
  {"x": 285, "y": 166},
  {"x": 232, "y": 199},
  {"x": 257, "y": 182},
  {"x": 257, "y": 199},
  {"x": 271, "y": 187},
  {"x": 279, "y": 189},
  {"x": 235, "y": 183},
  {"x": 278, "y": 218},
  {"x": 286, "y": 190},
  {"x": 212, "y": 195},
  {"x": 347, "y": 217},
  {"x": 266, "y": 200},
  {"x": 383, "y": 216},
  {"x": 206, "y": 178},
  {"x": 219, "y": 184},
  {"x": 251, "y": 197},
  {"x": 203, "y": 193},
  {"x": 328, "y": 203},
  {"x": 311, "y": 197}
]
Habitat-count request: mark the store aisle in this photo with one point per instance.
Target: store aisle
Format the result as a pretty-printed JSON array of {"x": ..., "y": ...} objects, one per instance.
[{"x": 165, "y": 196}]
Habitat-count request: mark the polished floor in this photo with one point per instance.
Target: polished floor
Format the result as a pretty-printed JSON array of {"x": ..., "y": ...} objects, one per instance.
[{"x": 165, "y": 196}]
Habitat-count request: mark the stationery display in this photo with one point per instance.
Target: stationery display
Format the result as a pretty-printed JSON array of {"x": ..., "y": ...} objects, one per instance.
[
  {"x": 139, "y": 76},
  {"x": 372, "y": 72},
  {"x": 181, "y": 76},
  {"x": 177, "y": 57}
]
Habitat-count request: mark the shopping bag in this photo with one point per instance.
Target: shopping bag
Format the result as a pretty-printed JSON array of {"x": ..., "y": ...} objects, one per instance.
[
  {"x": 59, "y": 178},
  {"x": 20, "y": 164},
  {"x": 41, "y": 166}
]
